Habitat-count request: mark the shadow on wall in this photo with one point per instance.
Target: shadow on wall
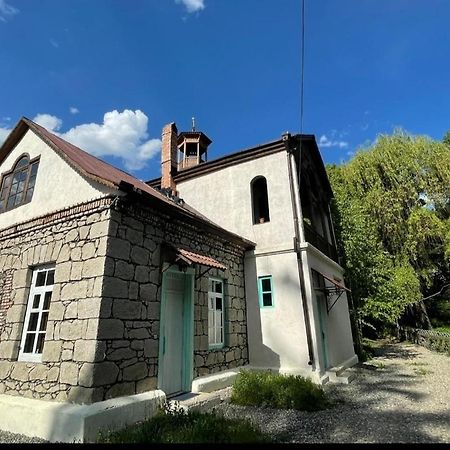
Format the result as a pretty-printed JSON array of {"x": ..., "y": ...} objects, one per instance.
[{"x": 259, "y": 354}]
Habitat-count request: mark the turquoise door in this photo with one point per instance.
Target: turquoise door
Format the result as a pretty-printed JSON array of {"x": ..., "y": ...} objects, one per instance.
[
  {"x": 176, "y": 336},
  {"x": 321, "y": 304}
]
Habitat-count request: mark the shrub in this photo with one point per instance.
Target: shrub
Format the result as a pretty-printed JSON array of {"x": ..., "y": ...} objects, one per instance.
[
  {"x": 174, "y": 425},
  {"x": 278, "y": 391}
]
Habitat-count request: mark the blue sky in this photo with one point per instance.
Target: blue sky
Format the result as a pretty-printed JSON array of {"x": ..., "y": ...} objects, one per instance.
[{"x": 108, "y": 74}]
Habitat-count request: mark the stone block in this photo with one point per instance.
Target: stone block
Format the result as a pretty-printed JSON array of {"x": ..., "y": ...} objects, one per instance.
[
  {"x": 74, "y": 290},
  {"x": 89, "y": 350},
  {"x": 56, "y": 312},
  {"x": 89, "y": 308},
  {"x": 120, "y": 389},
  {"x": 140, "y": 255},
  {"x": 71, "y": 310},
  {"x": 20, "y": 371},
  {"x": 142, "y": 274},
  {"x": 135, "y": 372},
  {"x": 113, "y": 287},
  {"x": 62, "y": 272},
  {"x": 99, "y": 229},
  {"x": 81, "y": 395},
  {"x": 139, "y": 333},
  {"x": 126, "y": 309},
  {"x": 16, "y": 313},
  {"x": 53, "y": 374},
  {"x": 118, "y": 248},
  {"x": 147, "y": 384},
  {"x": 21, "y": 278},
  {"x": 110, "y": 329},
  {"x": 71, "y": 331},
  {"x": 52, "y": 351},
  {"x": 124, "y": 270},
  {"x": 121, "y": 354},
  {"x": 93, "y": 267},
  {"x": 151, "y": 348},
  {"x": 135, "y": 237},
  {"x": 88, "y": 251},
  {"x": 69, "y": 373},
  {"x": 148, "y": 292},
  {"x": 9, "y": 349},
  {"x": 39, "y": 372}
]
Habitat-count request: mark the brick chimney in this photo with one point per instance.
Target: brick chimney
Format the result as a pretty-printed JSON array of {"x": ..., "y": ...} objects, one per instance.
[{"x": 169, "y": 159}]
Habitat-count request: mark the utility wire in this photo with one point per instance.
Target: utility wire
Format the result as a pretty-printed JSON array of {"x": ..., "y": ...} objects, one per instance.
[{"x": 302, "y": 69}]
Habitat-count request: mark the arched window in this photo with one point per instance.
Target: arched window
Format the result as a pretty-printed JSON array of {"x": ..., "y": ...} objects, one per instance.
[
  {"x": 260, "y": 201},
  {"x": 17, "y": 186}
]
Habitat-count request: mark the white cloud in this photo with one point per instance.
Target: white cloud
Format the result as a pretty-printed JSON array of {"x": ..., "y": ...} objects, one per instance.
[
  {"x": 191, "y": 5},
  {"x": 7, "y": 11},
  {"x": 122, "y": 134},
  {"x": 325, "y": 142},
  {"x": 74, "y": 110},
  {"x": 52, "y": 123},
  {"x": 54, "y": 43}
]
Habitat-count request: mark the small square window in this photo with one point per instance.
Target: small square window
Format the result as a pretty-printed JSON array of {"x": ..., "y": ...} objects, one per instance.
[{"x": 265, "y": 291}]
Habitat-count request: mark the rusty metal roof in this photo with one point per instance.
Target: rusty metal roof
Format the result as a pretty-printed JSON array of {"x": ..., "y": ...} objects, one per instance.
[
  {"x": 104, "y": 173},
  {"x": 196, "y": 258}
]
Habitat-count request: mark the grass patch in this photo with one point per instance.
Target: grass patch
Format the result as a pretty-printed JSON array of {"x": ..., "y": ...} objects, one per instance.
[
  {"x": 278, "y": 391},
  {"x": 421, "y": 371},
  {"x": 378, "y": 364},
  {"x": 444, "y": 329},
  {"x": 172, "y": 425}
]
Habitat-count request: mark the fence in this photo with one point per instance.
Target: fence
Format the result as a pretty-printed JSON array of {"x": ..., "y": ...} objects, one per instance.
[{"x": 438, "y": 341}]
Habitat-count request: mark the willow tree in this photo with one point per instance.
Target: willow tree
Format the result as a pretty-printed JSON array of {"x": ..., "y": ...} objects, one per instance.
[{"x": 392, "y": 216}]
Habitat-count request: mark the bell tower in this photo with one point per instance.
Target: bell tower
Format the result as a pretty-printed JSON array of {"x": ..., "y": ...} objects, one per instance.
[{"x": 193, "y": 147}]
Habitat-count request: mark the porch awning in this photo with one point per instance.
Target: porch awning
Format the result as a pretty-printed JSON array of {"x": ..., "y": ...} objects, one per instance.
[
  {"x": 337, "y": 287},
  {"x": 190, "y": 258}
]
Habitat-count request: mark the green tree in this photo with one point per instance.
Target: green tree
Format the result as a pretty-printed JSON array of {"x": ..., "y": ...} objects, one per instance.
[
  {"x": 392, "y": 217},
  {"x": 446, "y": 138}
]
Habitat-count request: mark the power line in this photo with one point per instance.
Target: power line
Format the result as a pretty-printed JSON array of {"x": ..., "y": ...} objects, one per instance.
[{"x": 302, "y": 69}]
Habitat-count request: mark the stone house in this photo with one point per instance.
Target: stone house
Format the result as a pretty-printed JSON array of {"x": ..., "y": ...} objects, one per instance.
[
  {"x": 115, "y": 293},
  {"x": 108, "y": 289}
]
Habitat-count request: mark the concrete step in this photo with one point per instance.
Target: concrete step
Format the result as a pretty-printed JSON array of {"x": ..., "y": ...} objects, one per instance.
[
  {"x": 203, "y": 401},
  {"x": 341, "y": 375}
]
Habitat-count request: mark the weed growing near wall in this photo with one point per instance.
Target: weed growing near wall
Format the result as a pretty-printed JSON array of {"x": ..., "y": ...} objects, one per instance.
[{"x": 278, "y": 391}]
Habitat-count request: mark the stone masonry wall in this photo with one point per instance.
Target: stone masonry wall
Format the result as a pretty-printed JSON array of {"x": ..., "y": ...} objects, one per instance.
[
  {"x": 132, "y": 294},
  {"x": 75, "y": 241},
  {"x": 102, "y": 335},
  {"x": 5, "y": 296}
]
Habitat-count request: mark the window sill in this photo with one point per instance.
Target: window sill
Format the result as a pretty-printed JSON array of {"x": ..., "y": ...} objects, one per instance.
[
  {"x": 216, "y": 346},
  {"x": 28, "y": 357}
]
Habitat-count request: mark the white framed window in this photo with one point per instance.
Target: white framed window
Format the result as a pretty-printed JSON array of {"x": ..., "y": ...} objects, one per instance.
[
  {"x": 36, "y": 317},
  {"x": 215, "y": 313}
]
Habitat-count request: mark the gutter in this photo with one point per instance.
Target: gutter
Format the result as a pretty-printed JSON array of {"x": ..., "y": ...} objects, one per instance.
[{"x": 298, "y": 239}]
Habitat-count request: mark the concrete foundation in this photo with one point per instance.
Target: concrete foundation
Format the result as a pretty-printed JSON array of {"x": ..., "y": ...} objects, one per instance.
[{"x": 67, "y": 422}]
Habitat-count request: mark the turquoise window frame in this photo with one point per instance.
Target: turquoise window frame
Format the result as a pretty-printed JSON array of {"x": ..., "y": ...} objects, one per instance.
[
  {"x": 221, "y": 345},
  {"x": 261, "y": 292}
]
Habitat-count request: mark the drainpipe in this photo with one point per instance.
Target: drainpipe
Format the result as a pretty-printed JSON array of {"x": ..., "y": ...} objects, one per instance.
[{"x": 299, "y": 237}]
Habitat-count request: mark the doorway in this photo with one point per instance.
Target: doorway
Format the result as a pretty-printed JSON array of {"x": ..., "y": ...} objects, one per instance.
[{"x": 175, "y": 368}]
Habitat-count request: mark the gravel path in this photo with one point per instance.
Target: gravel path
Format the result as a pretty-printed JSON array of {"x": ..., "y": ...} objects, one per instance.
[{"x": 402, "y": 395}]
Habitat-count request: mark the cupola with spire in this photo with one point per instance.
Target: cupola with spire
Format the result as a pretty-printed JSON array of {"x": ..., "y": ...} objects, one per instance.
[{"x": 193, "y": 146}]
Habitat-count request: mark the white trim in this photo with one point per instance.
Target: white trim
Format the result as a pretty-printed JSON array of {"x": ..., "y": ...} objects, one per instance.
[
  {"x": 212, "y": 296},
  {"x": 306, "y": 246},
  {"x": 33, "y": 356}
]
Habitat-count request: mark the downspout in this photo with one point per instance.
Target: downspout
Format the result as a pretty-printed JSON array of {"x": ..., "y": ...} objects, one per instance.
[{"x": 299, "y": 237}]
